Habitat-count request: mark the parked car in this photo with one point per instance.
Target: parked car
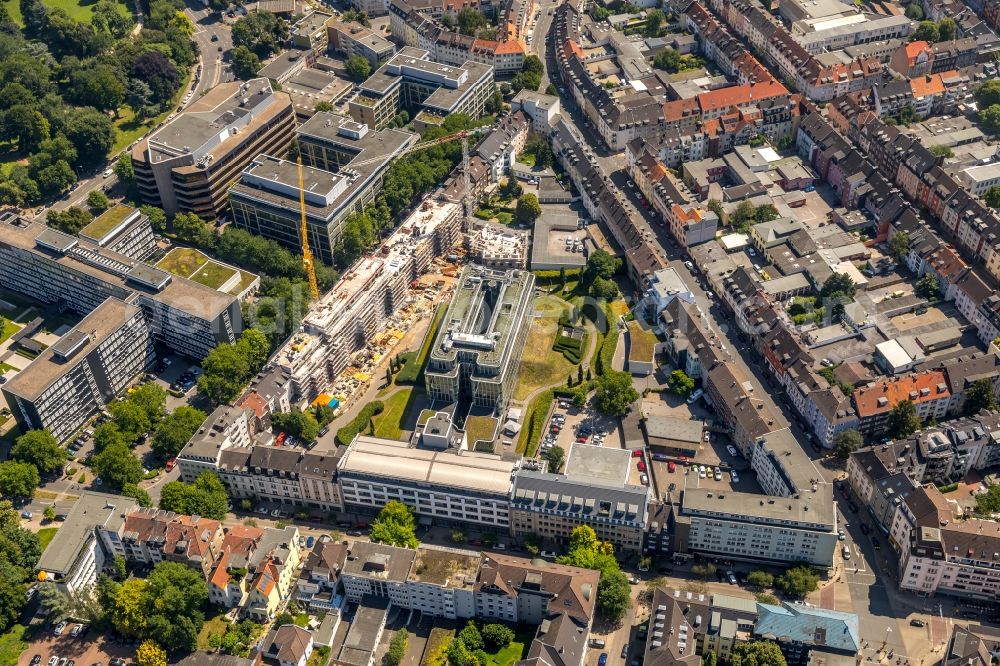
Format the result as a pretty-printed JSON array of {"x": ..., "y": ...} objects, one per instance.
[
  {"x": 717, "y": 474},
  {"x": 732, "y": 450},
  {"x": 548, "y": 554},
  {"x": 603, "y": 659},
  {"x": 26, "y": 515},
  {"x": 637, "y": 453},
  {"x": 625, "y": 651},
  {"x": 642, "y": 466},
  {"x": 644, "y": 479},
  {"x": 841, "y": 535},
  {"x": 170, "y": 464},
  {"x": 731, "y": 577},
  {"x": 916, "y": 622},
  {"x": 865, "y": 529},
  {"x": 734, "y": 476},
  {"x": 60, "y": 628},
  {"x": 77, "y": 630},
  {"x": 597, "y": 643},
  {"x": 671, "y": 466},
  {"x": 846, "y": 552}
]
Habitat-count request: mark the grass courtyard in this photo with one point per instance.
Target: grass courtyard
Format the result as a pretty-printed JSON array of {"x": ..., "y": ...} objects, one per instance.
[
  {"x": 8, "y": 328},
  {"x": 45, "y": 535},
  {"x": 187, "y": 262},
  {"x": 540, "y": 367},
  {"x": 389, "y": 424}
]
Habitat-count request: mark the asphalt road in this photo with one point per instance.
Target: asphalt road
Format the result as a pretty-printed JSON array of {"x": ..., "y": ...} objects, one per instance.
[{"x": 214, "y": 69}]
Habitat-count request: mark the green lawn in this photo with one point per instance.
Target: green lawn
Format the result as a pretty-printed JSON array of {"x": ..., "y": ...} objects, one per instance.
[
  {"x": 107, "y": 221},
  {"x": 131, "y": 129},
  {"x": 213, "y": 626},
  {"x": 182, "y": 261},
  {"x": 8, "y": 328},
  {"x": 45, "y": 535},
  {"x": 507, "y": 656},
  {"x": 480, "y": 428},
  {"x": 213, "y": 275},
  {"x": 5, "y": 367},
  {"x": 12, "y": 644},
  {"x": 540, "y": 367},
  {"x": 389, "y": 424}
]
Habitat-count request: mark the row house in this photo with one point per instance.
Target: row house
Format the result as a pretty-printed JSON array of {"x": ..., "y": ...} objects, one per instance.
[
  {"x": 152, "y": 536},
  {"x": 280, "y": 474},
  {"x": 228, "y": 582},
  {"x": 928, "y": 391},
  {"x": 320, "y": 576}
]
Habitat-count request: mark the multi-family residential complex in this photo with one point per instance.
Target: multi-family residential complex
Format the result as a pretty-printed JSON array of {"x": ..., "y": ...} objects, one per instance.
[
  {"x": 265, "y": 199},
  {"x": 412, "y": 80},
  {"x": 124, "y": 230},
  {"x": 189, "y": 163},
  {"x": 353, "y": 39},
  {"x": 593, "y": 490},
  {"x": 477, "y": 351},
  {"x": 88, "y": 539},
  {"x": 85, "y": 370}
]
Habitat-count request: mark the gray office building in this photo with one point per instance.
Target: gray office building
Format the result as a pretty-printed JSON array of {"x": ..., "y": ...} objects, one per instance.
[
  {"x": 86, "y": 369},
  {"x": 478, "y": 348},
  {"x": 348, "y": 163}
]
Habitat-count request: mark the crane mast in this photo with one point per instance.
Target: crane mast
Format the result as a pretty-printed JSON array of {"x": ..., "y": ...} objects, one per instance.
[{"x": 307, "y": 257}]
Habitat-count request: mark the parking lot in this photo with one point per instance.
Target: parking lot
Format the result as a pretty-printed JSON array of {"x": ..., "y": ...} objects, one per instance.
[
  {"x": 87, "y": 649},
  {"x": 601, "y": 430}
]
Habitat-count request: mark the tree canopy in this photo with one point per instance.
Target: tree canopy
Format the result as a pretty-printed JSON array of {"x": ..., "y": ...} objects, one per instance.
[
  {"x": 798, "y": 581},
  {"x": 847, "y": 442},
  {"x": 589, "y": 552},
  {"x": 756, "y": 653},
  {"x": 903, "y": 420},
  {"x": 41, "y": 449},
  {"x": 395, "y": 526},
  {"x": 175, "y": 430},
  {"x": 261, "y": 32},
  {"x": 205, "y": 497},
  {"x": 615, "y": 393},
  {"x": 981, "y": 395}
]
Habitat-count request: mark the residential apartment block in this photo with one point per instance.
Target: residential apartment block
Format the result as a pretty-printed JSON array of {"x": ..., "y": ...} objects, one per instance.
[
  {"x": 87, "y": 540},
  {"x": 188, "y": 164},
  {"x": 353, "y": 39},
  {"x": 478, "y": 347},
  {"x": 151, "y": 536},
  {"x": 85, "y": 370},
  {"x": 53, "y": 267},
  {"x": 124, "y": 230},
  {"x": 412, "y": 80}
]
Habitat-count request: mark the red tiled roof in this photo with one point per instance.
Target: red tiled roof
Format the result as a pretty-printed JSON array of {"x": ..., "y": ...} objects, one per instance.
[{"x": 918, "y": 388}]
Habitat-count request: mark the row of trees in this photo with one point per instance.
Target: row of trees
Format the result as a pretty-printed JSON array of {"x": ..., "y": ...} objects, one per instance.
[
  {"x": 205, "y": 497},
  {"x": 988, "y": 100}
]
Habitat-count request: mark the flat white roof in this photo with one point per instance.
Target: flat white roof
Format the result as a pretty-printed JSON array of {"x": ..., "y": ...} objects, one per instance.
[
  {"x": 734, "y": 241},
  {"x": 471, "y": 470},
  {"x": 894, "y": 353}
]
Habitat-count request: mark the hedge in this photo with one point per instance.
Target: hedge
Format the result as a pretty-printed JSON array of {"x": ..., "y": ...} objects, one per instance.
[
  {"x": 346, "y": 434},
  {"x": 546, "y": 278},
  {"x": 532, "y": 433},
  {"x": 606, "y": 352}
]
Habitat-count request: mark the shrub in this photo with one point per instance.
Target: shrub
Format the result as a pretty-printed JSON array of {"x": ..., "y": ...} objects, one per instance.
[{"x": 346, "y": 434}]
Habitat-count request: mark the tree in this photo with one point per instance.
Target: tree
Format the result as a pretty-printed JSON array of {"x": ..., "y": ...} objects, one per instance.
[
  {"x": 26, "y": 125},
  {"x": 18, "y": 479},
  {"x": 226, "y": 371},
  {"x": 261, "y": 32},
  {"x": 100, "y": 87},
  {"x": 992, "y": 197},
  {"x": 606, "y": 289},
  {"x": 245, "y": 63},
  {"x": 601, "y": 264},
  {"x": 205, "y": 497},
  {"x": 150, "y": 654},
  {"x": 765, "y": 213},
  {"x": 914, "y": 12},
  {"x": 141, "y": 497},
  {"x": 838, "y": 283},
  {"x": 131, "y": 419},
  {"x": 92, "y": 134},
  {"x": 899, "y": 245},
  {"x": 709, "y": 659},
  {"x": 902, "y": 420},
  {"x": 98, "y": 202},
  {"x": 108, "y": 434},
  {"x": 297, "y": 423},
  {"x": 847, "y": 442},
  {"x": 175, "y": 598},
  {"x": 756, "y": 653},
  {"x": 927, "y": 286},
  {"x": 70, "y": 221},
  {"x": 471, "y": 637},
  {"x": 40, "y": 449},
  {"x": 107, "y": 17},
  {"x": 988, "y": 93},
  {"x": 926, "y": 31},
  {"x": 152, "y": 400},
  {"x": 980, "y": 396},
  {"x": 614, "y": 595},
  {"x": 139, "y": 96},
  {"x": 470, "y": 21},
  {"x": 395, "y": 526},
  {"x": 988, "y": 503},
  {"x": 798, "y": 581},
  {"x": 175, "y": 430},
  {"x": 947, "y": 29},
  {"x": 191, "y": 228},
  {"x": 117, "y": 465},
  {"x": 680, "y": 383},
  {"x": 668, "y": 60},
  {"x": 159, "y": 74},
  {"x": 990, "y": 118},
  {"x": 942, "y": 150},
  {"x": 615, "y": 393},
  {"x": 760, "y": 579},
  {"x": 49, "y": 513},
  {"x": 53, "y": 601},
  {"x": 358, "y": 68},
  {"x": 497, "y": 636},
  {"x": 397, "y": 648},
  {"x": 555, "y": 457},
  {"x": 654, "y": 21},
  {"x": 157, "y": 218},
  {"x": 527, "y": 209},
  {"x": 128, "y": 612}
]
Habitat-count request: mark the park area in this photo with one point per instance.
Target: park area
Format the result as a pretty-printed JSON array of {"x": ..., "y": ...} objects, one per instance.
[
  {"x": 541, "y": 367},
  {"x": 78, "y": 10}
]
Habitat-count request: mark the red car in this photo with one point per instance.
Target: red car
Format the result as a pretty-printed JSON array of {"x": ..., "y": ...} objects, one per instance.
[
  {"x": 170, "y": 464},
  {"x": 642, "y": 466},
  {"x": 581, "y": 440},
  {"x": 280, "y": 439},
  {"x": 637, "y": 453},
  {"x": 671, "y": 466}
]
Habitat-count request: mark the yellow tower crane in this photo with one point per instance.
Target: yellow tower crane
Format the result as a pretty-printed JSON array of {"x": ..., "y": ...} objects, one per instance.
[{"x": 307, "y": 257}]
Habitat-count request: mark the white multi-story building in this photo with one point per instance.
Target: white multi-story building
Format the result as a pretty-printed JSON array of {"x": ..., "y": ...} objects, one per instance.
[
  {"x": 452, "y": 486},
  {"x": 88, "y": 538},
  {"x": 225, "y": 428}
]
